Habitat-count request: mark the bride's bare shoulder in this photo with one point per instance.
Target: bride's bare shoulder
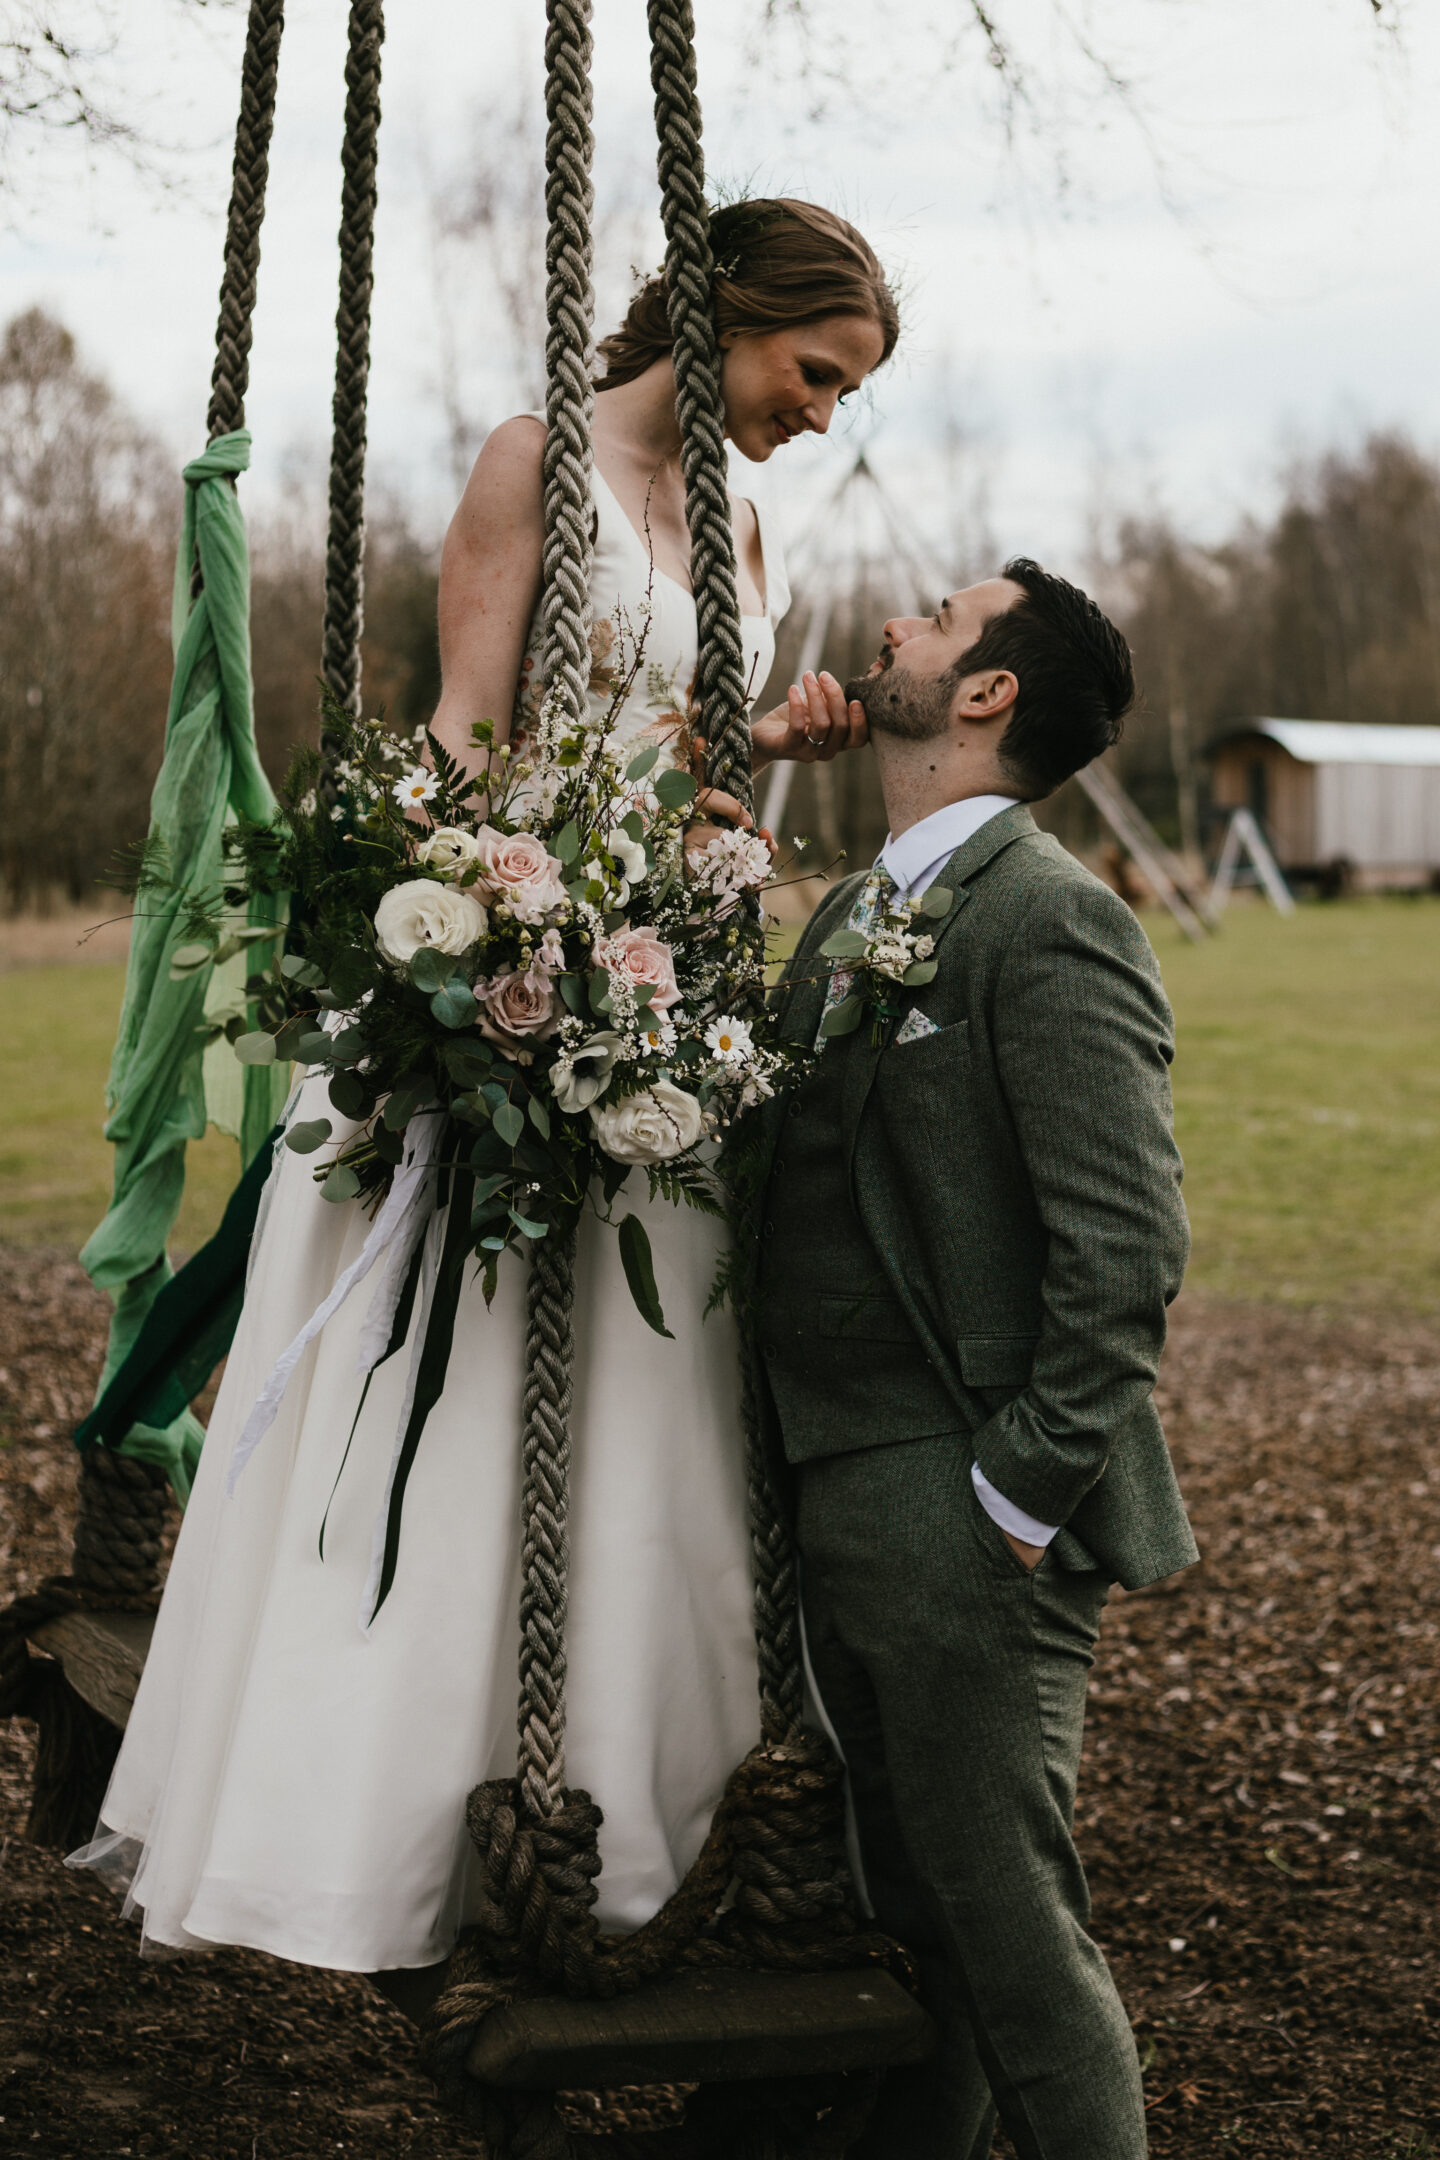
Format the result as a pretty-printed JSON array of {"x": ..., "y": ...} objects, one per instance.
[{"x": 504, "y": 490}]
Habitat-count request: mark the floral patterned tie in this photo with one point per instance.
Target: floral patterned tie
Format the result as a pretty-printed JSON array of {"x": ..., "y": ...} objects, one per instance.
[{"x": 873, "y": 898}]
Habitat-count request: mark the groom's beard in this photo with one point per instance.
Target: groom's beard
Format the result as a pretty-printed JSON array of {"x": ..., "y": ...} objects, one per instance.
[{"x": 913, "y": 708}]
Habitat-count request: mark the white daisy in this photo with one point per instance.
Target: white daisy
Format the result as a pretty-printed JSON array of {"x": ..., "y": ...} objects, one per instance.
[
  {"x": 419, "y": 786},
  {"x": 729, "y": 1040}
]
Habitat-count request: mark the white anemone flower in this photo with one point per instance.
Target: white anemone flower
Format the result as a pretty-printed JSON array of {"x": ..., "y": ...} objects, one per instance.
[
  {"x": 419, "y": 786},
  {"x": 730, "y": 1040},
  {"x": 629, "y": 859}
]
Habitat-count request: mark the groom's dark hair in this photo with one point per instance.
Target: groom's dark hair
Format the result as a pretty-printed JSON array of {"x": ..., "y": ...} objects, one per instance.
[{"x": 1077, "y": 681}]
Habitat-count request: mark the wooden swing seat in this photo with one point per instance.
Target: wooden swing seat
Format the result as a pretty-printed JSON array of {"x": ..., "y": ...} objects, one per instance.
[
  {"x": 707, "y": 2027},
  {"x": 102, "y": 1655}
]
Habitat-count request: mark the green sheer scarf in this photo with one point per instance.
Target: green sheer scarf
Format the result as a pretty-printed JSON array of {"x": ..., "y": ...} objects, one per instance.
[{"x": 163, "y": 1089}]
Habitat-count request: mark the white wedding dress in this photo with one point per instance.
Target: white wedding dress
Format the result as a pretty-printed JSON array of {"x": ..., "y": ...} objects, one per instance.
[{"x": 294, "y": 1785}]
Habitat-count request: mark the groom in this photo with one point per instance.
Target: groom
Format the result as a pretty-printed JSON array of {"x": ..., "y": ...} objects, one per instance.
[{"x": 969, "y": 1235}]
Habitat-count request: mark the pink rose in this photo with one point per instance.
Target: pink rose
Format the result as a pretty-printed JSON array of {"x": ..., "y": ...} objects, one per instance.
[
  {"x": 518, "y": 1008},
  {"x": 515, "y": 867},
  {"x": 638, "y": 956}
]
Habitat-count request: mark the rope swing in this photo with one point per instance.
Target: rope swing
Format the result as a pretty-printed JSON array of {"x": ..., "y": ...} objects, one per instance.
[{"x": 770, "y": 1892}]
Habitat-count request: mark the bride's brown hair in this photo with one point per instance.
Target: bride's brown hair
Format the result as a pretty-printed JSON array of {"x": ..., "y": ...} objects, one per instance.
[{"x": 778, "y": 263}]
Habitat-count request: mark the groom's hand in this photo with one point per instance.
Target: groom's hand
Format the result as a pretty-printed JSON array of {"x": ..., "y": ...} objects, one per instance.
[
  {"x": 1029, "y": 1556},
  {"x": 813, "y": 725}
]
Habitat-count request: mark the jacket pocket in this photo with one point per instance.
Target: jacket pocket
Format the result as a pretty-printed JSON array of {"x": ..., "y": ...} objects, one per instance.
[
  {"x": 996, "y": 1360},
  {"x": 865, "y": 1317}
]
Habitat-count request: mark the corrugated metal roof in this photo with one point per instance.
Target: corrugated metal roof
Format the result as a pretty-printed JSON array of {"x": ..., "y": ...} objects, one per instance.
[{"x": 1349, "y": 742}]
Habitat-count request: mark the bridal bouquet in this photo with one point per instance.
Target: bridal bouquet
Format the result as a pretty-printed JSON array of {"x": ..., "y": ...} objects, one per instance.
[{"x": 535, "y": 962}]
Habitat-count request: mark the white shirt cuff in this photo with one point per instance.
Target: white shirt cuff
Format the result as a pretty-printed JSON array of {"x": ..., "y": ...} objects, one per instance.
[{"x": 1007, "y": 1515}]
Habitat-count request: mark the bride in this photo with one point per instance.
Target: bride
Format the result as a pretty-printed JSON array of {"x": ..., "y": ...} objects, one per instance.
[{"x": 286, "y": 1781}]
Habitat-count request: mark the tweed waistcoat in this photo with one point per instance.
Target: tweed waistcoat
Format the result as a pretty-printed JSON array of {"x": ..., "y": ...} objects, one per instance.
[{"x": 841, "y": 1358}]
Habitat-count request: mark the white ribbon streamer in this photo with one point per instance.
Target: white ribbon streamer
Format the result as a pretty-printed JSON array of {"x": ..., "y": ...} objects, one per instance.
[{"x": 407, "y": 1207}]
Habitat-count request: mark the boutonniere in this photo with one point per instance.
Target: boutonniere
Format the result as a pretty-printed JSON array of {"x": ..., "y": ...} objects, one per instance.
[{"x": 884, "y": 948}]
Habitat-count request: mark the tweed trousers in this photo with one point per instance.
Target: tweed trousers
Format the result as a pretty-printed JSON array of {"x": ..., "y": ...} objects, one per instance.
[{"x": 955, "y": 1679}]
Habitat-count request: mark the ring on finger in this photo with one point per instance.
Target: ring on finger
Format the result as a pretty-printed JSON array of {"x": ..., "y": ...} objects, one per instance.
[{"x": 816, "y": 742}]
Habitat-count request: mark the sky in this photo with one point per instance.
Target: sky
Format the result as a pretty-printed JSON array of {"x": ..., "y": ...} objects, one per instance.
[{"x": 1145, "y": 300}]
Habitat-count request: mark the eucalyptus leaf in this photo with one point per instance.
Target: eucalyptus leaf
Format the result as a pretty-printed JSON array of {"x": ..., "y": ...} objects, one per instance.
[
  {"x": 844, "y": 945},
  {"x": 572, "y": 991},
  {"x": 633, "y": 826},
  {"x": 937, "y": 901},
  {"x": 600, "y": 991},
  {"x": 539, "y": 1117},
  {"x": 844, "y": 1018},
  {"x": 492, "y": 1244},
  {"x": 349, "y": 1094},
  {"x": 257, "y": 1048},
  {"x": 309, "y": 1049},
  {"x": 639, "y": 1266},
  {"x": 428, "y": 969},
  {"x": 466, "y": 1063},
  {"x": 920, "y": 972},
  {"x": 674, "y": 789},
  {"x": 509, "y": 1123},
  {"x": 308, "y": 1134},
  {"x": 487, "y": 1187},
  {"x": 453, "y": 1006},
  {"x": 530, "y": 1229},
  {"x": 187, "y": 958},
  {"x": 643, "y": 762},
  {"x": 341, "y": 1184},
  {"x": 298, "y": 969},
  {"x": 566, "y": 844}
]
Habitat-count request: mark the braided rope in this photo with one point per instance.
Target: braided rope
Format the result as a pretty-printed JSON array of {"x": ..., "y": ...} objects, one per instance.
[
  {"x": 249, "y": 175},
  {"x": 569, "y": 359},
  {"x": 689, "y": 267},
  {"x": 545, "y": 1556},
  {"x": 345, "y": 548}
]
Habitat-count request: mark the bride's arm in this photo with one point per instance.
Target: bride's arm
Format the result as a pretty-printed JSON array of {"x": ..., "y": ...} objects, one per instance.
[{"x": 489, "y": 584}]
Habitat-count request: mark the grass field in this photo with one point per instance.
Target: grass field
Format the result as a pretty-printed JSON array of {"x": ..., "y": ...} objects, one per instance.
[{"x": 1307, "y": 1102}]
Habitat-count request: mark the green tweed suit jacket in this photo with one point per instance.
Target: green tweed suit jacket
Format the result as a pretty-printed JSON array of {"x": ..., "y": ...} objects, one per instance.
[{"x": 1017, "y": 1175}]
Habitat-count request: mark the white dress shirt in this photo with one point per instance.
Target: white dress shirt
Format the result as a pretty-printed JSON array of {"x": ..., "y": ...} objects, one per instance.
[{"x": 915, "y": 860}]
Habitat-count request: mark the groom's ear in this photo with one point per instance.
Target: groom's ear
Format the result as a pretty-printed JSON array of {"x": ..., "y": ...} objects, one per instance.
[{"x": 986, "y": 695}]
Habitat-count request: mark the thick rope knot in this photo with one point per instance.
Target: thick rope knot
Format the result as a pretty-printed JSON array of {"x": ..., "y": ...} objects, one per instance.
[
  {"x": 536, "y": 1911},
  {"x": 119, "y": 1523}
]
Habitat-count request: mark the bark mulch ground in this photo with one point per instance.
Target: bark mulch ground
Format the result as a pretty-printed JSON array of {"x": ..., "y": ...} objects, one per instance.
[{"x": 1258, "y": 1808}]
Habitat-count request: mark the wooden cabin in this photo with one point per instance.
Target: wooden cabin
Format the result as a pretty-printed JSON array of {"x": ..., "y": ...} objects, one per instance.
[{"x": 1357, "y": 801}]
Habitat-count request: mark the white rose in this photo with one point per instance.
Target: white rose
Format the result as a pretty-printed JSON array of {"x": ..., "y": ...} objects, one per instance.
[
  {"x": 424, "y": 913},
  {"x": 584, "y": 1072},
  {"x": 659, "y": 1122},
  {"x": 447, "y": 850}
]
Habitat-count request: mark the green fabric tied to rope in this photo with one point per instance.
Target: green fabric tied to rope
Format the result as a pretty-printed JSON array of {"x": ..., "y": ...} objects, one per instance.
[{"x": 164, "y": 1087}]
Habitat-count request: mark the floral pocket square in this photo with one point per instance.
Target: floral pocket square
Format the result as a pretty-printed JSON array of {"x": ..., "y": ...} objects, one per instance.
[{"x": 915, "y": 1027}]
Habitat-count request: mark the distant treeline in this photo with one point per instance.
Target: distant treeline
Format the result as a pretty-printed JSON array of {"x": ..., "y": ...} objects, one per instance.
[
  {"x": 89, "y": 521},
  {"x": 1330, "y": 610}
]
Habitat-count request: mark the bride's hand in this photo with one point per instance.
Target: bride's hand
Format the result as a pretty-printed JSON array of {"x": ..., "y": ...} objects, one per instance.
[
  {"x": 714, "y": 810},
  {"x": 813, "y": 725}
]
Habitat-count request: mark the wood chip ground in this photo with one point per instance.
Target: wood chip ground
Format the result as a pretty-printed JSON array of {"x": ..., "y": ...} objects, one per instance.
[{"x": 1258, "y": 1807}]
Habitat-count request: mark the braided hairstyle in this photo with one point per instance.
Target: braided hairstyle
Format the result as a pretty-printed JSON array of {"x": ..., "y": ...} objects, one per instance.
[{"x": 778, "y": 263}]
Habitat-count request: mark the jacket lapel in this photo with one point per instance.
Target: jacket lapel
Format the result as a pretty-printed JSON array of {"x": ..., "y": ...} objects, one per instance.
[{"x": 966, "y": 864}]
